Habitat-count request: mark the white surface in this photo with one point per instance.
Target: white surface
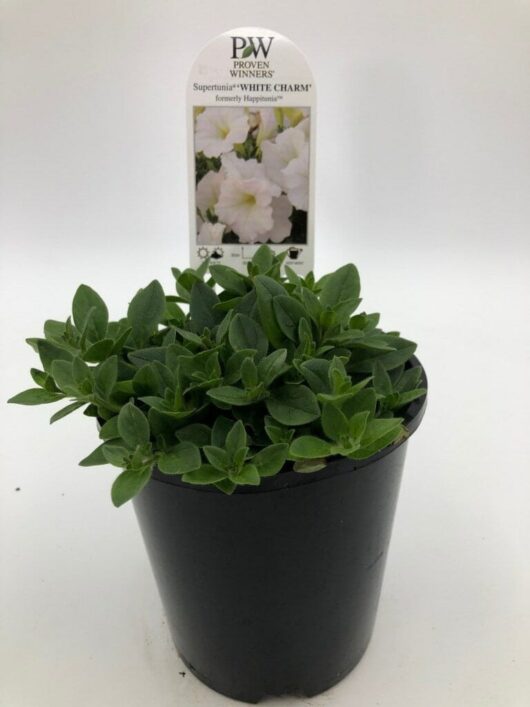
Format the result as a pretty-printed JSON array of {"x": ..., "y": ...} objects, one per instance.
[{"x": 428, "y": 105}]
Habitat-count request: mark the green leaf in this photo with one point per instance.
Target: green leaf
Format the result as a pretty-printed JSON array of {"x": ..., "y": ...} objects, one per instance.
[
  {"x": 236, "y": 439},
  {"x": 230, "y": 395},
  {"x": 99, "y": 351},
  {"x": 198, "y": 434},
  {"x": 270, "y": 461},
  {"x": 229, "y": 279},
  {"x": 230, "y": 305},
  {"x": 309, "y": 466},
  {"x": 115, "y": 455},
  {"x": 249, "y": 373},
  {"x": 62, "y": 372},
  {"x": 162, "y": 406},
  {"x": 403, "y": 399},
  {"x": 105, "y": 377},
  {"x": 80, "y": 371},
  {"x": 141, "y": 357},
  {"x": 245, "y": 333},
  {"x": 89, "y": 308},
  {"x": 378, "y": 436},
  {"x": 375, "y": 429},
  {"x": 54, "y": 329},
  {"x": 183, "y": 458},
  {"x": 342, "y": 285},
  {"x": 365, "y": 400},
  {"x": 35, "y": 396},
  {"x": 363, "y": 360},
  {"x": 120, "y": 340},
  {"x": 222, "y": 329},
  {"x": 349, "y": 391},
  {"x": 373, "y": 344},
  {"x": 248, "y": 476},
  {"x": 133, "y": 425},
  {"x": 217, "y": 457},
  {"x": 288, "y": 312},
  {"x": 234, "y": 363},
  {"x": 272, "y": 366},
  {"x": 226, "y": 486},
  {"x": 95, "y": 458},
  {"x": 292, "y": 276},
  {"x": 190, "y": 336},
  {"x": 334, "y": 422},
  {"x": 408, "y": 380},
  {"x": 266, "y": 290},
  {"x": 293, "y": 405},
  {"x": 43, "y": 379},
  {"x": 337, "y": 374},
  {"x": 49, "y": 353},
  {"x": 278, "y": 434},
  {"x": 357, "y": 425},
  {"x": 305, "y": 335},
  {"x": 246, "y": 305},
  {"x": 109, "y": 430},
  {"x": 221, "y": 428},
  {"x": 128, "y": 484},
  {"x": 147, "y": 381},
  {"x": 263, "y": 258},
  {"x": 316, "y": 373},
  {"x": 382, "y": 382},
  {"x": 239, "y": 457},
  {"x": 63, "y": 412},
  {"x": 205, "y": 475},
  {"x": 311, "y": 304},
  {"x": 345, "y": 309},
  {"x": 308, "y": 447},
  {"x": 34, "y": 343},
  {"x": 202, "y": 303},
  {"x": 146, "y": 310}
]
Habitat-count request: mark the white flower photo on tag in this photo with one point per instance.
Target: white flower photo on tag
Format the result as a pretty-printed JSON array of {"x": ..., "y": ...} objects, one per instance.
[{"x": 252, "y": 175}]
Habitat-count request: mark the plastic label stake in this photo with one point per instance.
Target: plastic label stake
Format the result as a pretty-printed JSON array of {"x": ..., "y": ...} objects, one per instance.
[{"x": 251, "y": 138}]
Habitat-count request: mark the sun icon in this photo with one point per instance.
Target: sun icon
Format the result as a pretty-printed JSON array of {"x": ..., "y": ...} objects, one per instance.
[{"x": 202, "y": 252}]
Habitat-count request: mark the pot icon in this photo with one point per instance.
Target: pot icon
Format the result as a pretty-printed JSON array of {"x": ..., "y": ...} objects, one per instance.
[{"x": 294, "y": 253}]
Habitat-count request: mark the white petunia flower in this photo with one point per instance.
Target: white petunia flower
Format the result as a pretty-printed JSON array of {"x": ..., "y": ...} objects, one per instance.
[
  {"x": 211, "y": 233},
  {"x": 208, "y": 190},
  {"x": 234, "y": 166},
  {"x": 245, "y": 206},
  {"x": 296, "y": 180},
  {"x": 281, "y": 210},
  {"x": 245, "y": 199},
  {"x": 218, "y": 129},
  {"x": 267, "y": 126},
  {"x": 278, "y": 154}
]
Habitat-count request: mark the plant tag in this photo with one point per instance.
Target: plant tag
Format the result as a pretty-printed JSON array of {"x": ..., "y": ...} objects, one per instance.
[{"x": 251, "y": 136}]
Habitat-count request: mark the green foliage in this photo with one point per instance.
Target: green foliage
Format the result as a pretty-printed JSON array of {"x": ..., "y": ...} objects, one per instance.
[{"x": 233, "y": 378}]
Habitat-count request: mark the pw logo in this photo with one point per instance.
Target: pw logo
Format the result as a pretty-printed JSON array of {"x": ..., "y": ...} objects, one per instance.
[{"x": 243, "y": 47}]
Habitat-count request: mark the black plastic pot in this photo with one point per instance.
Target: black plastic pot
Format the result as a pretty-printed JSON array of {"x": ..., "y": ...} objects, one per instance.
[{"x": 274, "y": 590}]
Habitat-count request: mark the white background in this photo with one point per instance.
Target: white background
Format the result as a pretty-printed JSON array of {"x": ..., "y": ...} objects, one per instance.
[{"x": 423, "y": 180}]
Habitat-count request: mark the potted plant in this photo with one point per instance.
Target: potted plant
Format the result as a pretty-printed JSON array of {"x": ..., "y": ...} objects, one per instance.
[{"x": 260, "y": 426}]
